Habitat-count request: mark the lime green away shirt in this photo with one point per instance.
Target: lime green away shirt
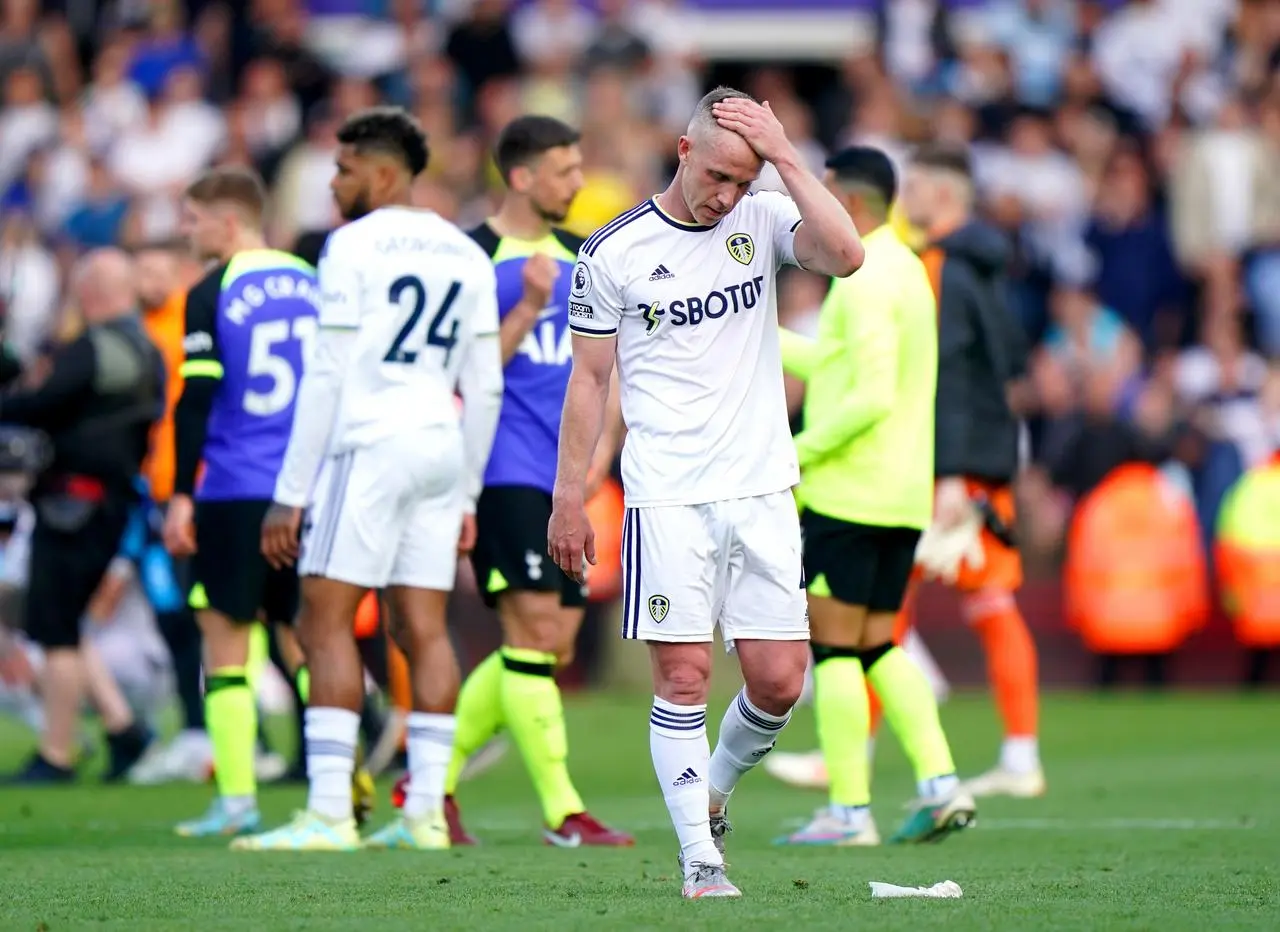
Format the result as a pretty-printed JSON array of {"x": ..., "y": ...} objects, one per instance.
[{"x": 866, "y": 451}]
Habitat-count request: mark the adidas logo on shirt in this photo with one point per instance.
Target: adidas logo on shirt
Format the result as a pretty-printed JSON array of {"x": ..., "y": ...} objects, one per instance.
[
  {"x": 660, "y": 273},
  {"x": 687, "y": 778}
]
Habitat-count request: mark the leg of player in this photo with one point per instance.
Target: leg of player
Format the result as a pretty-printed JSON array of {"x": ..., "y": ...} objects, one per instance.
[
  {"x": 763, "y": 618},
  {"x": 189, "y": 755},
  {"x": 844, "y": 721},
  {"x": 537, "y": 631},
  {"x": 231, "y": 716},
  {"x": 908, "y": 700},
  {"x": 773, "y": 673},
  {"x": 479, "y": 716},
  {"x": 289, "y": 657},
  {"x": 418, "y": 624},
  {"x": 1011, "y": 668},
  {"x": 682, "y": 761},
  {"x": 325, "y": 628}
]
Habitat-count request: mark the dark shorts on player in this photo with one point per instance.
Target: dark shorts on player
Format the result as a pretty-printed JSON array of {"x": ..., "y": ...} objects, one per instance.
[
  {"x": 66, "y": 569},
  {"x": 229, "y": 574},
  {"x": 511, "y": 546},
  {"x": 858, "y": 564}
]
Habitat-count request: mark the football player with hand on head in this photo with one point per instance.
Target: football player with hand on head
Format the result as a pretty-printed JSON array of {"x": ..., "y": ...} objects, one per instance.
[{"x": 681, "y": 292}]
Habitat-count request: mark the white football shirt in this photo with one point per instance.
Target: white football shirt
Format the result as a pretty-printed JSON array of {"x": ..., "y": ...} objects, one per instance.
[
  {"x": 695, "y": 312},
  {"x": 418, "y": 292}
]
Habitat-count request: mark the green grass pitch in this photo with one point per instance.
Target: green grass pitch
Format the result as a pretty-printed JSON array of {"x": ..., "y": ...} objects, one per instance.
[{"x": 1163, "y": 813}]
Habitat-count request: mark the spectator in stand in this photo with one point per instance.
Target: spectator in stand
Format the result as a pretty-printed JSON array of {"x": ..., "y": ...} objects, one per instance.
[{"x": 1128, "y": 231}]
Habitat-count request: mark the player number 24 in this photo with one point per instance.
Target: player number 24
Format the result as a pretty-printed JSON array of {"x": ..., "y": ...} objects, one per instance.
[
  {"x": 442, "y": 332},
  {"x": 264, "y": 361}
]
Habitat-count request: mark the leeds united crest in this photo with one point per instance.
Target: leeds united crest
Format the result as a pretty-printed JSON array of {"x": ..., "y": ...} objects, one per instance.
[{"x": 741, "y": 248}]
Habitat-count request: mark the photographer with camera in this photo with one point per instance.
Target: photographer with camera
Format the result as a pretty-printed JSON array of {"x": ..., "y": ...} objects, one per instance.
[{"x": 94, "y": 412}]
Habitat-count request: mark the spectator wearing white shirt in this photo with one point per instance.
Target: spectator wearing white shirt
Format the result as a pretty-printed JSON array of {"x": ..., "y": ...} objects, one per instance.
[
  {"x": 27, "y": 122},
  {"x": 1038, "y": 36},
  {"x": 112, "y": 103},
  {"x": 154, "y": 164},
  {"x": 64, "y": 174},
  {"x": 272, "y": 115},
  {"x": 301, "y": 202},
  {"x": 1038, "y": 187},
  {"x": 1151, "y": 55},
  {"x": 29, "y": 287},
  {"x": 1225, "y": 189},
  {"x": 1222, "y": 379},
  {"x": 548, "y": 31}
]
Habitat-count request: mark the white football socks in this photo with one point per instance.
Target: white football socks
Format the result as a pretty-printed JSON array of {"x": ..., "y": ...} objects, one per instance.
[
  {"x": 430, "y": 746},
  {"x": 1020, "y": 755},
  {"x": 681, "y": 759},
  {"x": 331, "y": 736},
  {"x": 747, "y": 734}
]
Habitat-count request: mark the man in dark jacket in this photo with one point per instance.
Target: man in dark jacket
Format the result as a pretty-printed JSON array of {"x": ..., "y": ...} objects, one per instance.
[
  {"x": 982, "y": 355},
  {"x": 96, "y": 406}
]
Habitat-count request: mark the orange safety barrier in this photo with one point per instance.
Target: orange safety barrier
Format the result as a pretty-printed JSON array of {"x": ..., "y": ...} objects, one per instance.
[{"x": 1135, "y": 579}]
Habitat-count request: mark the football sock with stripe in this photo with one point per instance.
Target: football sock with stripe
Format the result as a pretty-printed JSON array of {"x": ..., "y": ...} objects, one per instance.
[
  {"x": 231, "y": 717},
  {"x": 331, "y": 759},
  {"x": 747, "y": 734},
  {"x": 479, "y": 714},
  {"x": 430, "y": 744},
  {"x": 912, "y": 711},
  {"x": 844, "y": 722},
  {"x": 682, "y": 762},
  {"x": 534, "y": 714}
]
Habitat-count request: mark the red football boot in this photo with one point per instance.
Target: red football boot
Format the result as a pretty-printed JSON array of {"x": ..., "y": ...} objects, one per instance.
[
  {"x": 583, "y": 829},
  {"x": 457, "y": 834}
]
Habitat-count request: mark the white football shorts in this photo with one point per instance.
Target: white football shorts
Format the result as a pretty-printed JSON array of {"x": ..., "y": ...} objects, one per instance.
[
  {"x": 736, "y": 564},
  {"x": 389, "y": 514}
]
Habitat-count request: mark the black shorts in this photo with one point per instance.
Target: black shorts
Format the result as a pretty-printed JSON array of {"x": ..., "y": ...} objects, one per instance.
[
  {"x": 860, "y": 564},
  {"x": 229, "y": 574},
  {"x": 511, "y": 546},
  {"x": 65, "y": 571}
]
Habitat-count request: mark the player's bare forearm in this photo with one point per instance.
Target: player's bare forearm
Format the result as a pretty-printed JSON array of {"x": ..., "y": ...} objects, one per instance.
[
  {"x": 582, "y": 421},
  {"x": 515, "y": 327},
  {"x": 827, "y": 241},
  {"x": 615, "y": 428}
]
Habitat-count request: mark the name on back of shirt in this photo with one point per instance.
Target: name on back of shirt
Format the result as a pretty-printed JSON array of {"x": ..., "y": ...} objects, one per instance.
[
  {"x": 244, "y": 300},
  {"x": 394, "y": 245}
]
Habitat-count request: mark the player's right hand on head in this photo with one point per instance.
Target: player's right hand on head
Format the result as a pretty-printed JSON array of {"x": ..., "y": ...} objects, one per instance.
[
  {"x": 179, "y": 533},
  {"x": 539, "y": 277},
  {"x": 571, "y": 542}
]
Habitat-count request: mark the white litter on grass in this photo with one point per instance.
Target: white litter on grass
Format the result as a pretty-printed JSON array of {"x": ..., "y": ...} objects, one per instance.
[{"x": 947, "y": 890}]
